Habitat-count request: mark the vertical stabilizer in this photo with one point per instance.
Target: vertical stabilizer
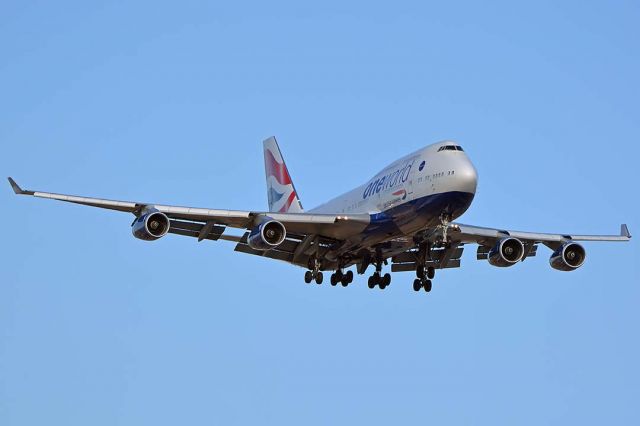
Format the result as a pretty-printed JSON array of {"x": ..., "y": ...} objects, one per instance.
[{"x": 281, "y": 193}]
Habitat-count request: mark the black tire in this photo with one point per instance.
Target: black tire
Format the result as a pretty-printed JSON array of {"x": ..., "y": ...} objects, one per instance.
[
  {"x": 339, "y": 276},
  {"x": 427, "y": 286},
  {"x": 371, "y": 283},
  {"x": 319, "y": 278},
  {"x": 417, "y": 284},
  {"x": 308, "y": 277},
  {"x": 386, "y": 279},
  {"x": 349, "y": 277},
  {"x": 333, "y": 280},
  {"x": 431, "y": 272},
  {"x": 420, "y": 272},
  {"x": 344, "y": 282}
]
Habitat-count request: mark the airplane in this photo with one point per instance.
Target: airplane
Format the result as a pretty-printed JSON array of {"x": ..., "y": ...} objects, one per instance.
[{"x": 403, "y": 215}]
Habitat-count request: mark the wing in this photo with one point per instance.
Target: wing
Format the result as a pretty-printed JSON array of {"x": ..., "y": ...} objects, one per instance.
[
  {"x": 441, "y": 256},
  {"x": 487, "y": 236},
  {"x": 305, "y": 232}
]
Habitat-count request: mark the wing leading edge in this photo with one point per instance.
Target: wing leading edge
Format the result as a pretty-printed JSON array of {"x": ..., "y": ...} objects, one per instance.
[
  {"x": 331, "y": 226},
  {"x": 308, "y": 233},
  {"x": 478, "y": 234}
]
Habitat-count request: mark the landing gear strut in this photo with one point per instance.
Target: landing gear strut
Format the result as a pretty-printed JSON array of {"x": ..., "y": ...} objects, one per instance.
[
  {"x": 377, "y": 279},
  {"x": 444, "y": 224},
  {"x": 315, "y": 273},
  {"x": 425, "y": 273}
]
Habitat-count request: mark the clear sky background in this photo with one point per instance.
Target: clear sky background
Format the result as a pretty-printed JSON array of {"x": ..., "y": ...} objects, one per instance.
[{"x": 170, "y": 102}]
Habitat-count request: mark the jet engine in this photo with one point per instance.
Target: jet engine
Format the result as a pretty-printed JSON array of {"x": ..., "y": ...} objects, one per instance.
[
  {"x": 506, "y": 252},
  {"x": 151, "y": 226},
  {"x": 267, "y": 235},
  {"x": 568, "y": 257}
]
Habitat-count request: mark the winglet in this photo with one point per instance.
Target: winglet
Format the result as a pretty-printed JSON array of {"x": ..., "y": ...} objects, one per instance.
[
  {"x": 16, "y": 188},
  {"x": 624, "y": 231}
]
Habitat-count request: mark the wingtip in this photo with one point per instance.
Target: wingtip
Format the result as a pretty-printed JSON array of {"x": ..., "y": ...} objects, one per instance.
[
  {"x": 624, "y": 230},
  {"x": 16, "y": 188}
]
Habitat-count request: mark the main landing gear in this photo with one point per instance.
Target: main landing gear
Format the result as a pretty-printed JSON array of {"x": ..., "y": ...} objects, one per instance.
[
  {"x": 423, "y": 281},
  {"x": 344, "y": 278},
  {"x": 381, "y": 281},
  {"x": 377, "y": 279},
  {"x": 425, "y": 275},
  {"x": 315, "y": 273},
  {"x": 310, "y": 276}
]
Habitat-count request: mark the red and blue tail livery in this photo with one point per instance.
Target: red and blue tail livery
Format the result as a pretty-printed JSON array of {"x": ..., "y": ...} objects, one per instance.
[{"x": 281, "y": 193}]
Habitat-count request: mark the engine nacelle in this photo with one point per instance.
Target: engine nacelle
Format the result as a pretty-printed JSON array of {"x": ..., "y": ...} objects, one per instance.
[
  {"x": 151, "y": 226},
  {"x": 507, "y": 252},
  {"x": 269, "y": 234},
  {"x": 568, "y": 257}
]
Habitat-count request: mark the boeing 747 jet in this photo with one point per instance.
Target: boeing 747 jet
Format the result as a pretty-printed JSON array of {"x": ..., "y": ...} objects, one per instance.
[{"x": 403, "y": 215}]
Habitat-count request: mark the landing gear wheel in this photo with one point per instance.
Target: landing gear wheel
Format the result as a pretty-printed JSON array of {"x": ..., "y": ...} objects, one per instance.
[
  {"x": 308, "y": 277},
  {"x": 420, "y": 272},
  {"x": 385, "y": 281},
  {"x": 417, "y": 284},
  {"x": 371, "y": 283},
  {"x": 347, "y": 278},
  {"x": 319, "y": 278},
  {"x": 431, "y": 272},
  {"x": 427, "y": 286},
  {"x": 337, "y": 277},
  {"x": 333, "y": 280}
]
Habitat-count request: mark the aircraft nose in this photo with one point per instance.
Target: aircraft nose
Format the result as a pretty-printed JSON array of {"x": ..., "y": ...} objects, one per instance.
[{"x": 467, "y": 178}]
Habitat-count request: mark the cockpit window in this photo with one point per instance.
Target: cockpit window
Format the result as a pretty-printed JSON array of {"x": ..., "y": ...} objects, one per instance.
[{"x": 450, "y": 148}]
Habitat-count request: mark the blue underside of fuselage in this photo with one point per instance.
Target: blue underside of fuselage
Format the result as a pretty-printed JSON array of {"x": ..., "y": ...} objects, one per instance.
[{"x": 419, "y": 213}]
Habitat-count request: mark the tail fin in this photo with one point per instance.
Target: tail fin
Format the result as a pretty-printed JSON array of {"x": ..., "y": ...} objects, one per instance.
[{"x": 282, "y": 194}]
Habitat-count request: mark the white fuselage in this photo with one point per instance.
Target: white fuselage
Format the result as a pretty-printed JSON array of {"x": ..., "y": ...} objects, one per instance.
[{"x": 429, "y": 173}]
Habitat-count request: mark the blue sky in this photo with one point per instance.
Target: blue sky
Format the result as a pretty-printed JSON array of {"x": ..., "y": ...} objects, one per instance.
[{"x": 169, "y": 103}]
